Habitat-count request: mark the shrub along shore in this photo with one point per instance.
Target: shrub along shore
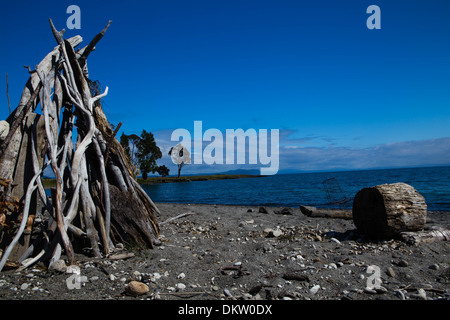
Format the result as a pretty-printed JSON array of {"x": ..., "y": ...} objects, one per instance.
[{"x": 49, "y": 182}]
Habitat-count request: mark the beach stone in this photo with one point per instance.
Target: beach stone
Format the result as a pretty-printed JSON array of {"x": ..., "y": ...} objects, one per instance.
[
  {"x": 399, "y": 294},
  {"x": 227, "y": 293},
  {"x": 136, "y": 288},
  {"x": 314, "y": 289},
  {"x": 275, "y": 233},
  {"x": 335, "y": 240},
  {"x": 180, "y": 286},
  {"x": 254, "y": 290},
  {"x": 262, "y": 210},
  {"x": 156, "y": 276},
  {"x": 403, "y": 263},
  {"x": 390, "y": 272},
  {"x": 434, "y": 267},
  {"x": 381, "y": 289},
  {"x": 137, "y": 276},
  {"x": 59, "y": 266},
  {"x": 285, "y": 211},
  {"x": 24, "y": 286},
  {"x": 370, "y": 290},
  {"x": 421, "y": 295}
]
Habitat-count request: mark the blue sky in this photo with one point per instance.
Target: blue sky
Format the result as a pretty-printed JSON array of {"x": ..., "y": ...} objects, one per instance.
[{"x": 342, "y": 96}]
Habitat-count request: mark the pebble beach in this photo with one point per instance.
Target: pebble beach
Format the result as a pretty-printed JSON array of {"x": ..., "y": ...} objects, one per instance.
[{"x": 243, "y": 253}]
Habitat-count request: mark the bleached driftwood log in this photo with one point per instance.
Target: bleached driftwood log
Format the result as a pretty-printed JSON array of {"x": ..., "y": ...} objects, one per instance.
[
  {"x": 386, "y": 210},
  {"x": 426, "y": 236},
  {"x": 95, "y": 189},
  {"x": 314, "y": 212}
]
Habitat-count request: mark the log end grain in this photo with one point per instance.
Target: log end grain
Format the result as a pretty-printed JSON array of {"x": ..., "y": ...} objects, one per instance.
[{"x": 386, "y": 210}]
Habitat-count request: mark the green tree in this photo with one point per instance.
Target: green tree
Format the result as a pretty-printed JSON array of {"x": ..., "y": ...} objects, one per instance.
[
  {"x": 163, "y": 171},
  {"x": 147, "y": 153},
  {"x": 143, "y": 153}
]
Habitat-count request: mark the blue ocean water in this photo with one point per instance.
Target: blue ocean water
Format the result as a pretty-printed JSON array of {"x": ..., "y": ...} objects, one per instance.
[{"x": 292, "y": 190}]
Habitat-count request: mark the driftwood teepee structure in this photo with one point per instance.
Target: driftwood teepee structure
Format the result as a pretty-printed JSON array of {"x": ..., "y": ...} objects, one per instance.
[{"x": 96, "y": 202}]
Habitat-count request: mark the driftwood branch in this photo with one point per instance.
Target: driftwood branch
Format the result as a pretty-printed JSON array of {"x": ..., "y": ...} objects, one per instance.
[
  {"x": 87, "y": 51},
  {"x": 314, "y": 212},
  {"x": 426, "y": 236},
  {"x": 176, "y": 217}
]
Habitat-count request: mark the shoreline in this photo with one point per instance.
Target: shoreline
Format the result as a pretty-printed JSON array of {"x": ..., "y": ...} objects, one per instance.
[
  {"x": 231, "y": 252},
  {"x": 50, "y": 182},
  {"x": 279, "y": 207}
]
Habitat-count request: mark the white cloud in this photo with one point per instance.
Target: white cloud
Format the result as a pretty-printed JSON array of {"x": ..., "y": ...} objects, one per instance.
[
  {"x": 401, "y": 154},
  {"x": 297, "y": 154}
]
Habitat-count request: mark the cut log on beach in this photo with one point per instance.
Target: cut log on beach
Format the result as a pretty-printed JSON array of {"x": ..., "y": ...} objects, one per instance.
[
  {"x": 386, "y": 210},
  {"x": 326, "y": 213},
  {"x": 96, "y": 201}
]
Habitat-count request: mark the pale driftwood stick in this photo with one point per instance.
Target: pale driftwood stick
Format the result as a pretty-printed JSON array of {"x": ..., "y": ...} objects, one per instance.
[
  {"x": 116, "y": 176},
  {"x": 57, "y": 34},
  {"x": 314, "y": 212},
  {"x": 176, "y": 217},
  {"x": 87, "y": 51},
  {"x": 88, "y": 137},
  {"x": 58, "y": 96},
  {"x": 106, "y": 194},
  {"x": 426, "y": 236},
  {"x": 31, "y": 187},
  {"x": 109, "y": 142},
  {"x": 89, "y": 210},
  {"x": 28, "y": 262},
  {"x": 56, "y": 253},
  {"x": 182, "y": 294},
  {"x": 66, "y": 139},
  {"x": 77, "y": 231},
  {"x": 72, "y": 210},
  {"x": 105, "y": 237},
  {"x": 9, "y": 150},
  {"x": 27, "y": 253},
  {"x": 57, "y": 202},
  {"x": 35, "y": 162}
]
